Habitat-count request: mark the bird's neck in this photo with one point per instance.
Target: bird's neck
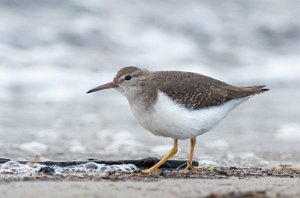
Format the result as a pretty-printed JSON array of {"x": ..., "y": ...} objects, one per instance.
[{"x": 142, "y": 98}]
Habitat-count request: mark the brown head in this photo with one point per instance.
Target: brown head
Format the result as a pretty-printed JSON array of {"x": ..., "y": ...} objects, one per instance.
[{"x": 126, "y": 80}]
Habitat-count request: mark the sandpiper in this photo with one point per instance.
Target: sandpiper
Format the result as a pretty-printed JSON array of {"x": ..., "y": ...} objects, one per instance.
[{"x": 175, "y": 104}]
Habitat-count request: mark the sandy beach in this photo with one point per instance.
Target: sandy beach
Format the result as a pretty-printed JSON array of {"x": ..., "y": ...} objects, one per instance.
[{"x": 233, "y": 187}]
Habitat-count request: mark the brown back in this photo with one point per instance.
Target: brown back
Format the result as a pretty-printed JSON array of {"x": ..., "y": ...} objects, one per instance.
[{"x": 196, "y": 91}]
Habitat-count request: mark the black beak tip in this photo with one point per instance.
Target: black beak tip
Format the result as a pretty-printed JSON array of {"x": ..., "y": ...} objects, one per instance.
[{"x": 90, "y": 91}]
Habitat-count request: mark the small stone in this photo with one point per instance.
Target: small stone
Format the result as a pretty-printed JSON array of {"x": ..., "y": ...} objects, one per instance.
[
  {"x": 47, "y": 170},
  {"x": 10, "y": 165},
  {"x": 91, "y": 165}
]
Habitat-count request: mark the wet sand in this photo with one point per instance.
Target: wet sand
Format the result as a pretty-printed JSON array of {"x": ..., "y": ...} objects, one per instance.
[{"x": 233, "y": 187}]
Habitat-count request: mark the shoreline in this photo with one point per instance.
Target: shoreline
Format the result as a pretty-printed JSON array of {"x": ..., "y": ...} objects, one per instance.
[{"x": 169, "y": 181}]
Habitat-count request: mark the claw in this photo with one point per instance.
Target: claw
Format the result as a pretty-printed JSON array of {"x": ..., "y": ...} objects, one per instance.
[
  {"x": 148, "y": 171},
  {"x": 190, "y": 167}
]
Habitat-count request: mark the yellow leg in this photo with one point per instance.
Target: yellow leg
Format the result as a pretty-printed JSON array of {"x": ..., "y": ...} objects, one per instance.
[
  {"x": 190, "y": 162},
  {"x": 172, "y": 152}
]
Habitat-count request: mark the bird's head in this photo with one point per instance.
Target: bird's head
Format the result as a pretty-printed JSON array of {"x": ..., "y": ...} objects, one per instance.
[{"x": 127, "y": 81}]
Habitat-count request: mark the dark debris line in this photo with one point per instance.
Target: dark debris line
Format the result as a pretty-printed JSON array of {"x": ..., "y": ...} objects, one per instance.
[{"x": 167, "y": 171}]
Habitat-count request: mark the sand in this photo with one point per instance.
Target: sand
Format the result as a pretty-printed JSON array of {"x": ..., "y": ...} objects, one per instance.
[{"x": 232, "y": 187}]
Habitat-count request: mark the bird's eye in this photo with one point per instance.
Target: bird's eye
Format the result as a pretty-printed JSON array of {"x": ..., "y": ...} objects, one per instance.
[{"x": 128, "y": 77}]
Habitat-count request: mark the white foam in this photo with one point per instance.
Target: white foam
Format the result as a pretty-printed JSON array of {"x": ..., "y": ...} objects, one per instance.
[
  {"x": 161, "y": 149},
  {"x": 289, "y": 132},
  {"x": 273, "y": 69},
  {"x": 34, "y": 147},
  {"x": 48, "y": 135},
  {"x": 205, "y": 163},
  {"x": 95, "y": 169},
  {"x": 171, "y": 46},
  {"x": 50, "y": 83},
  {"x": 90, "y": 168},
  {"x": 247, "y": 156},
  {"x": 76, "y": 147},
  {"x": 120, "y": 141},
  {"x": 13, "y": 167},
  {"x": 217, "y": 144}
]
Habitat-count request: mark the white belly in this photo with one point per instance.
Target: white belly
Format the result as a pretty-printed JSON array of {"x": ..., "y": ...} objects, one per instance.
[{"x": 169, "y": 119}]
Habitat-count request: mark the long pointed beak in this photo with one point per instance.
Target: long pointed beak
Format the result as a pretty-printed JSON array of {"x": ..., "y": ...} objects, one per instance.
[{"x": 105, "y": 86}]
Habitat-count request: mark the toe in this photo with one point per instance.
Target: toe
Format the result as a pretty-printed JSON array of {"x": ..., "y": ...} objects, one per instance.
[
  {"x": 190, "y": 167},
  {"x": 148, "y": 171}
]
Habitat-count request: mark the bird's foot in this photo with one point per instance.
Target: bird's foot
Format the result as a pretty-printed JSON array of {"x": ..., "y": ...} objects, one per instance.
[
  {"x": 190, "y": 168},
  {"x": 148, "y": 171}
]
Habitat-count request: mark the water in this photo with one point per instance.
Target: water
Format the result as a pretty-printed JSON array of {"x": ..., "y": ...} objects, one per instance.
[{"x": 52, "y": 52}]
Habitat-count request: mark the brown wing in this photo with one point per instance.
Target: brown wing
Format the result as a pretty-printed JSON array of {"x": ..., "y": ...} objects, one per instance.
[{"x": 196, "y": 91}]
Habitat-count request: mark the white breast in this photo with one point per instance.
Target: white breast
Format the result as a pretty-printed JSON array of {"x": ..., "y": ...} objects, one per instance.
[{"x": 170, "y": 119}]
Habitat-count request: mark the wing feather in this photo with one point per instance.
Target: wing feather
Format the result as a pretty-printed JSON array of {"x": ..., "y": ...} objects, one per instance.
[{"x": 196, "y": 91}]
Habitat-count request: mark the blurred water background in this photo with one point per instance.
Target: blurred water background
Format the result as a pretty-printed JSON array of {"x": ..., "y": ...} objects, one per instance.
[{"x": 52, "y": 52}]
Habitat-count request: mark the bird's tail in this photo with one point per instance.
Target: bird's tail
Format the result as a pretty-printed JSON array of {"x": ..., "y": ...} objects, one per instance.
[{"x": 258, "y": 89}]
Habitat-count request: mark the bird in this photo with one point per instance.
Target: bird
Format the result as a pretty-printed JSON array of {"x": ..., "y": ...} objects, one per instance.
[{"x": 177, "y": 104}]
